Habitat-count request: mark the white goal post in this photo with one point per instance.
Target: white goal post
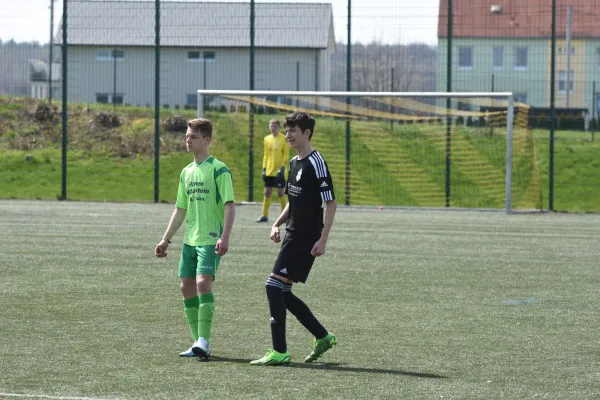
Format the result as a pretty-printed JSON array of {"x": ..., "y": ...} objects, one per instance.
[{"x": 508, "y": 96}]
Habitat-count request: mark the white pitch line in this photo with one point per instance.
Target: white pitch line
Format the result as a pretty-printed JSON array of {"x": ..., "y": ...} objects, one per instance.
[{"x": 43, "y": 396}]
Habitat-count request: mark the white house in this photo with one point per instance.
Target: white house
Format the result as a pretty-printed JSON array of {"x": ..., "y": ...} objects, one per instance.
[
  {"x": 39, "y": 72},
  {"x": 111, "y": 53}
]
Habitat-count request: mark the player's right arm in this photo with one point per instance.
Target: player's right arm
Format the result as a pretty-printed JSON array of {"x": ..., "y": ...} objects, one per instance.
[
  {"x": 177, "y": 218},
  {"x": 175, "y": 222},
  {"x": 264, "y": 164},
  {"x": 275, "y": 234}
]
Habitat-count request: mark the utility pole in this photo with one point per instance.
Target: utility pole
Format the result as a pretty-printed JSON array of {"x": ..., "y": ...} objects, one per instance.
[
  {"x": 114, "y": 54},
  {"x": 393, "y": 98},
  {"x": 568, "y": 73},
  {"x": 203, "y": 70},
  {"x": 51, "y": 57}
]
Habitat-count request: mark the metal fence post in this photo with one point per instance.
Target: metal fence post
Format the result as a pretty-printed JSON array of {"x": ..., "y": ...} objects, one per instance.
[
  {"x": 448, "y": 104},
  {"x": 251, "y": 110},
  {"x": 348, "y": 102},
  {"x": 64, "y": 100},
  {"x": 156, "y": 100},
  {"x": 552, "y": 107}
]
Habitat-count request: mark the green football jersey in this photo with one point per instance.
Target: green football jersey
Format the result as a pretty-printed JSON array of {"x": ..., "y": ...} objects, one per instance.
[{"x": 204, "y": 188}]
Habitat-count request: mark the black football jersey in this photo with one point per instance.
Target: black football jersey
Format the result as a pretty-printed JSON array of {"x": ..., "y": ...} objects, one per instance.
[{"x": 309, "y": 185}]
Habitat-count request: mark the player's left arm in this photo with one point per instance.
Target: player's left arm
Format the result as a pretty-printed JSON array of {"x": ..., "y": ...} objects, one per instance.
[
  {"x": 319, "y": 247},
  {"x": 223, "y": 242},
  {"x": 225, "y": 187},
  {"x": 325, "y": 183}
]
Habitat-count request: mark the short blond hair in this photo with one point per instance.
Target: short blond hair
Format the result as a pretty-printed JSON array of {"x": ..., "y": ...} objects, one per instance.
[
  {"x": 275, "y": 121},
  {"x": 202, "y": 125}
]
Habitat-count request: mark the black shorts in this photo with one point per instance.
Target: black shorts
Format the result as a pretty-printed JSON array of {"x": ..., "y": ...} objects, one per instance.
[
  {"x": 294, "y": 260},
  {"x": 274, "y": 181}
]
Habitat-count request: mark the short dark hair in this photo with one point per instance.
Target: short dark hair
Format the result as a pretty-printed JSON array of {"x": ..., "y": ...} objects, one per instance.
[
  {"x": 302, "y": 120},
  {"x": 202, "y": 125}
]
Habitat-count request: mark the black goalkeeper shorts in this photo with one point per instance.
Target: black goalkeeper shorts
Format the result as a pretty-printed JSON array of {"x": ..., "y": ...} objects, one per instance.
[{"x": 274, "y": 181}]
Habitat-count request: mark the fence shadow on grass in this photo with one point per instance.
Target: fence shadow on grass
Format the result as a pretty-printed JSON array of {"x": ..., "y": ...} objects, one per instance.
[{"x": 337, "y": 367}]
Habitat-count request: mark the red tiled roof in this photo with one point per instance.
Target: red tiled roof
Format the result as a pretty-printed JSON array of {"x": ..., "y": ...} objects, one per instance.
[{"x": 519, "y": 18}]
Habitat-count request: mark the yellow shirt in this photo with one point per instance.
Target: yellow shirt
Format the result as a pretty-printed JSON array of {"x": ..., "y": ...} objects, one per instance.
[{"x": 276, "y": 154}]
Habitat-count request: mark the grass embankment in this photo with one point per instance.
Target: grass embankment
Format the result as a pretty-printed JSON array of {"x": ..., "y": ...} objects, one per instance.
[{"x": 403, "y": 165}]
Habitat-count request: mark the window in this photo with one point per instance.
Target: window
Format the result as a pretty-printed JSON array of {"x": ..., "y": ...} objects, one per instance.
[
  {"x": 520, "y": 97},
  {"x": 193, "y": 56},
  {"x": 560, "y": 50},
  {"x": 562, "y": 81},
  {"x": 102, "y": 98},
  {"x": 465, "y": 58},
  {"x": 109, "y": 98},
  {"x": 191, "y": 100},
  {"x": 198, "y": 56},
  {"x": 598, "y": 57},
  {"x": 521, "y": 58},
  {"x": 462, "y": 106},
  {"x": 210, "y": 56},
  {"x": 110, "y": 55},
  {"x": 498, "y": 57},
  {"x": 597, "y": 103},
  {"x": 117, "y": 99}
]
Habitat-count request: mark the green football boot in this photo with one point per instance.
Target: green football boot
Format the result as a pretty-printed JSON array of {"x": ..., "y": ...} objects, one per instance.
[
  {"x": 273, "y": 358},
  {"x": 321, "y": 346}
]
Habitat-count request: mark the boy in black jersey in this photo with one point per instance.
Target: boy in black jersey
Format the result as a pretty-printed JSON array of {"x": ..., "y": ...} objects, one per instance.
[{"x": 309, "y": 186}]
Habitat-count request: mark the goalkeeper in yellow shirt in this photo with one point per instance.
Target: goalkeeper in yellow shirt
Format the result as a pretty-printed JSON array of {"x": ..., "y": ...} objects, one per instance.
[{"x": 274, "y": 168}]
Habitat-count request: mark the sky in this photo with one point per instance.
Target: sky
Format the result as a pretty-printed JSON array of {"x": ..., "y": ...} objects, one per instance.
[{"x": 384, "y": 21}]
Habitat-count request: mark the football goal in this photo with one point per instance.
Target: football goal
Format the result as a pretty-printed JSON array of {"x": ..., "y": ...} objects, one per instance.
[{"x": 459, "y": 150}]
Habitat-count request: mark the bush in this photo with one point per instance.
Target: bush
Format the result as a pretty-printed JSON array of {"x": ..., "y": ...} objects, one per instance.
[
  {"x": 469, "y": 121},
  {"x": 176, "y": 123},
  {"x": 593, "y": 124},
  {"x": 107, "y": 119},
  {"x": 45, "y": 113},
  {"x": 460, "y": 120}
]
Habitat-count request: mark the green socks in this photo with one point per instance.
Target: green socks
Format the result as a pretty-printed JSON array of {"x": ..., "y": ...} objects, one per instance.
[
  {"x": 199, "y": 312},
  {"x": 190, "y": 307},
  {"x": 205, "y": 315}
]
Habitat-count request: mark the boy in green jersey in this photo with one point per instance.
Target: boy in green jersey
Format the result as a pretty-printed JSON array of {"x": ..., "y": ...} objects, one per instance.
[{"x": 205, "y": 202}]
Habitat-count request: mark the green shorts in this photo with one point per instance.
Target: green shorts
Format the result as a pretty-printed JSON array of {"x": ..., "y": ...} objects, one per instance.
[{"x": 198, "y": 260}]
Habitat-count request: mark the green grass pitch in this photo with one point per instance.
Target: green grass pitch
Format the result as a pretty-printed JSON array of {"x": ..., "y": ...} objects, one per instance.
[{"x": 425, "y": 304}]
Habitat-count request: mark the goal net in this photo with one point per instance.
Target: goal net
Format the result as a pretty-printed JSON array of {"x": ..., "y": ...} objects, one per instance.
[{"x": 460, "y": 150}]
